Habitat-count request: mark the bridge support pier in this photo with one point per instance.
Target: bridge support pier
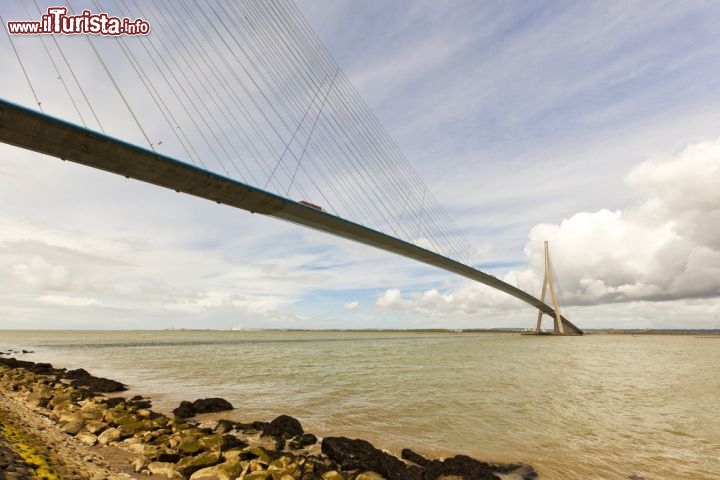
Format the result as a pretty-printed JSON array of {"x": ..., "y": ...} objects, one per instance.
[{"x": 562, "y": 326}]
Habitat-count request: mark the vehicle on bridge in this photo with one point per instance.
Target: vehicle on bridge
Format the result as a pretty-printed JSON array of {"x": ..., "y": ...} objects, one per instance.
[{"x": 311, "y": 205}]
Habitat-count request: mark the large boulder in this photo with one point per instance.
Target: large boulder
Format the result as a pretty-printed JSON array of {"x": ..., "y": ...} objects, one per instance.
[
  {"x": 184, "y": 410},
  {"x": 78, "y": 373},
  {"x": 202, "y": 405},
  {"x": 361, "y": 455},
  {"x": 462, "y": 466},
  {"x": 98, "y": 384},
  {"x": 211, "y": 405},
  {"x": 415, "y": 458},
  {"x": 284, "y": 427}
]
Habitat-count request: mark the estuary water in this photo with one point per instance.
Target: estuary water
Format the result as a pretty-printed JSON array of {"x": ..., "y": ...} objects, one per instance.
[{"x": 592, "y": 407}]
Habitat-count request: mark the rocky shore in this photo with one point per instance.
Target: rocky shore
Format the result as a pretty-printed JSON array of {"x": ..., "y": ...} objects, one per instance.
[{"x": 68, "y": 424}]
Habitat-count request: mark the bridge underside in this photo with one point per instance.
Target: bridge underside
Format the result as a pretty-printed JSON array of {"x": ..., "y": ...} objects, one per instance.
[{"x": 35, "y": 131}]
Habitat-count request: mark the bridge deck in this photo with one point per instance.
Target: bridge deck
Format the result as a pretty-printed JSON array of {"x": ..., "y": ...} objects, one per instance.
[{"x": 38, "y": 132}]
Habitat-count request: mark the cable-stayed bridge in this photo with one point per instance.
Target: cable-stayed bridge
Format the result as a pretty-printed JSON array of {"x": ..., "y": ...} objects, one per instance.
[{"x": 260, "y": 113}]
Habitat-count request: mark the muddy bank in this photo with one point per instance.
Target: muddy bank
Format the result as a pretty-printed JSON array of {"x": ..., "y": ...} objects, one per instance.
[{"x": 68, "y": 424}]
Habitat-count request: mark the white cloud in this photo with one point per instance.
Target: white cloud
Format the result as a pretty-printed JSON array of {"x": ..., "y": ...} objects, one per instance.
[
  {"x": 69, "y": 301},
  {"x": 666, "y": 247},
  {"x": 354, "y": 305},
  {"x": 39, "y": 273}
]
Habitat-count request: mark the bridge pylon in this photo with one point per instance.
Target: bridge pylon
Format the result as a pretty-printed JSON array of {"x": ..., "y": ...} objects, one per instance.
[{"x": 562, "y": 325}]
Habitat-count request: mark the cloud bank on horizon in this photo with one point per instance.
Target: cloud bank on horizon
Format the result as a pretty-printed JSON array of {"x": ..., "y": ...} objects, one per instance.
[{"x": 597, "y": 132}]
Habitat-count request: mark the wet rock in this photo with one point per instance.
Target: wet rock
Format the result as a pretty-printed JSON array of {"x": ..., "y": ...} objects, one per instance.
[
  {"x": 211, "y": 405},
  {"x": 114, "y": 402},
  {"x": 361, "y": 455},
  {"x": 99, "y": 384},
  {"x": 38, "y": 368},
  {"x": 302, "y": 441},
  {"x": 190, "y": 446},
  {"x": 78, "y": 373},
  {"x": 189, "y": 465},
  {"x": 168, "y": 456},
  {"x": 139, "y": 402},
  {"x": 185, "y": 410},
  {"x": 222, "y": 442},
  {"x": 415, "y": 458},
  {"x": 225, "y": 426},
  {"x": 259, "y": 426},
  {"x": 461, "y": 466},
  {"x": 284, "y": 427},
  {"x": 254, "y": 452}
]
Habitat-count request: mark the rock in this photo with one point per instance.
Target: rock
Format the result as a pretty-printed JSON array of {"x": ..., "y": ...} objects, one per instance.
[
  {"x": 254, "y": 451},
  {"x": 369, "y": 476},
  {"x": 302, "y": 441},
  {"x": 139, "y": 402},
  {"x": 185, "y": 410},
  {"x": 333, "y": 475},
  {"x": 98, "y": 384},
  {"x": 38, "y": 368},
  {"x": 95, "y": 426},
  {"x": 225, "y": 426},
  {"x": 87, "y": 438},
  {"x": 189, "y": 465},
  {"x": 168, "y": 456},
  {"x": 164, "y": 468},
  {"x": 109, "y": 435},
  {"x": 284, "y": 427},
  {"x": 224, "y": 471},
  {"x": 283, "y": 467},
  {"x": 461, "y": 466},
  {"x": 78, "y": 373},
  {"x": 221, "y": 442},
  {"x": 361, "y": 455},
  {"x": 190, "y": 446},
  {"x": 139, "y": 464},
  {"x": 114, "y": 402},
  {"x": 257, "y": 475},
  {"x": 74, "y": 426},
  {"x": 129, "y": 429},
  {"x": 211, "y": 405},
  {"x": 415, "y": 458},
  {"x": 39, "y": 398}
]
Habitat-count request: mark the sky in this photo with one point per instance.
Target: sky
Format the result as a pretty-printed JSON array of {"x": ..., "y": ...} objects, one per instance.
[{"x": 594, "y": 126}]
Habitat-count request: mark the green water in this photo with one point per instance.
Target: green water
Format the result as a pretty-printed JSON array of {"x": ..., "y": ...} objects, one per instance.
[{"x": 594, "y": 407}]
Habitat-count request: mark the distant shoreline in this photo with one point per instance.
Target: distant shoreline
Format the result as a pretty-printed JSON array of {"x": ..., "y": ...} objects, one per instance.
[{"x": 711, "y": 333}]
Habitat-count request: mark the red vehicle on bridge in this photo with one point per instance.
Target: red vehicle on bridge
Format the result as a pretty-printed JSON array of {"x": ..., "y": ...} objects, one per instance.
[{"x": 311, "y": 205}]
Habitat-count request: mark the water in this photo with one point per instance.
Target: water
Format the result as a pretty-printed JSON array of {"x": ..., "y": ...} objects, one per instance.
[{"x": 595, "y": 407}]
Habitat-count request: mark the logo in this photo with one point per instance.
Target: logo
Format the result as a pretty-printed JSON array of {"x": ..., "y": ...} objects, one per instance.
[{"x": 57, "y": 21}]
